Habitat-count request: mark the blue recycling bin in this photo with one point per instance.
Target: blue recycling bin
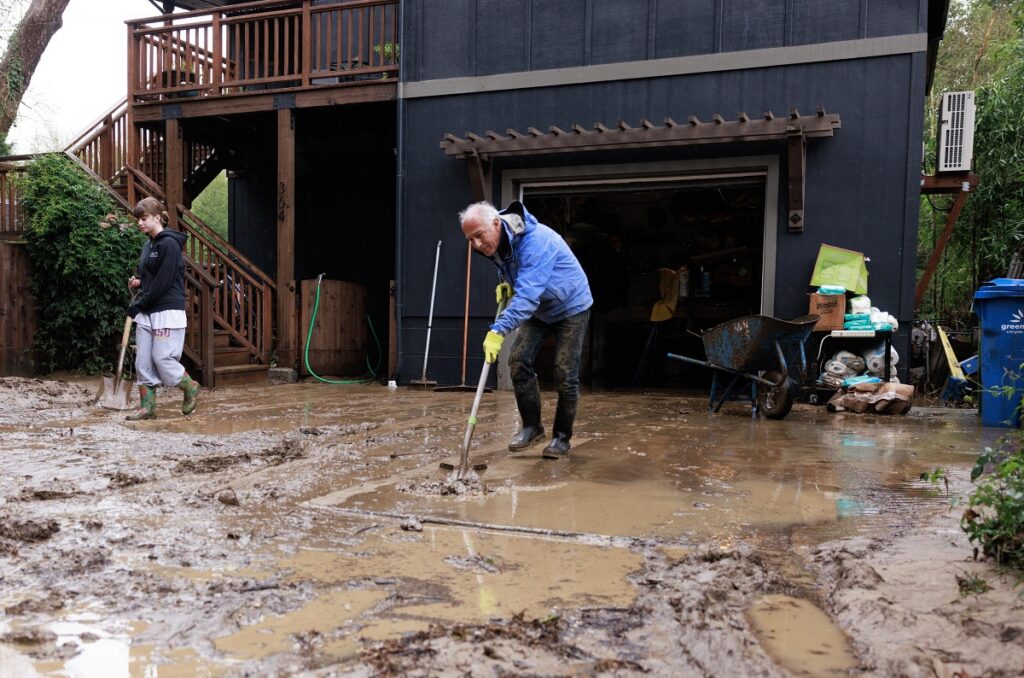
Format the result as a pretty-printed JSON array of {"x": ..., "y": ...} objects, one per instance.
[{"x": 1000, "y": 306}]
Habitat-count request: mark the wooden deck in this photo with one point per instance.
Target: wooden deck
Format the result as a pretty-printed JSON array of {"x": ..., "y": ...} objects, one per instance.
[{"x": 262, "y": 56}]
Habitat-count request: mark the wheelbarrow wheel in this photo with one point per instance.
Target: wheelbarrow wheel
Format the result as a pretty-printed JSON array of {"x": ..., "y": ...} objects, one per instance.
[{"x": 776, "y": 402}]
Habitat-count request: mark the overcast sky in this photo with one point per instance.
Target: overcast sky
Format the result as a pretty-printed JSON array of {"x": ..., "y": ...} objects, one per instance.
[{"x": 82, "y": 74}]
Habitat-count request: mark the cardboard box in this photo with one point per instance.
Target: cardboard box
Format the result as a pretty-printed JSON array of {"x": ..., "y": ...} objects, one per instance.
[{"x": 830, "y": 309}]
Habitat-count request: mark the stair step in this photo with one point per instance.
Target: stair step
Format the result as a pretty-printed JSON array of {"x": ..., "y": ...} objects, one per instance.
[
  {"x": 231, "y": 355},
  {"x": 221, "y": 339},
  {"x": 235, "y": 375}
]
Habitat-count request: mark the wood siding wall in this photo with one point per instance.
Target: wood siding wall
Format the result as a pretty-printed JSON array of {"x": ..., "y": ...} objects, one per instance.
[
  {"x": 861, "y": 185},
  {"x": 17, "y": 311},
  {"x": 458, "y": 38}
]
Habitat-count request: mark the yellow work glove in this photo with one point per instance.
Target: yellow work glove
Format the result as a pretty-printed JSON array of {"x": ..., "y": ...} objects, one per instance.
[
  {"x": 503, "y": 292},
  {"x": 492, "y": 345}
]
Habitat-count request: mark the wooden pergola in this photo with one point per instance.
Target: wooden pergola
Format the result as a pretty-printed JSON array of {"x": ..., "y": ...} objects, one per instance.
[{"x": 794, "y": 129}]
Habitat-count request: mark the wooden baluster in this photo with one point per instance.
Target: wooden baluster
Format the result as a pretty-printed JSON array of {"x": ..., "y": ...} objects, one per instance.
[
  {"x": 218, "y": 68},
  {"x": 307, "y": 42}
]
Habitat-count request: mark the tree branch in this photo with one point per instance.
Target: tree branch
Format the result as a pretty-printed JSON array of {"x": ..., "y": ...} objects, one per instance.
[{"x": 24, "y": 49}]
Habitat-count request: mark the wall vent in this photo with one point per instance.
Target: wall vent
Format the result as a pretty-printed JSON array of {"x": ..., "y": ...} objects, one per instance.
[{"x": 956, "y": 132}]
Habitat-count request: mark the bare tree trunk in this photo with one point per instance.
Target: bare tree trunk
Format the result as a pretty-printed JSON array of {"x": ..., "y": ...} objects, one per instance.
[{"x": 24, "y": 49}]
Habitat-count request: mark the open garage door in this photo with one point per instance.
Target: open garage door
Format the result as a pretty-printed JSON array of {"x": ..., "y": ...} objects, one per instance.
[{"x": 692, "y": 247}]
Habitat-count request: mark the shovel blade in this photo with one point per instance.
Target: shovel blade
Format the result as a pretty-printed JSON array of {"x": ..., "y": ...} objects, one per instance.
[{"x": 113, "y": 394}]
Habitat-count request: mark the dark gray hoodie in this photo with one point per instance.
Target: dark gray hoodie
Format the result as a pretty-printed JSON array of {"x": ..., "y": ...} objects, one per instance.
[{"x": 162, "y": 272}]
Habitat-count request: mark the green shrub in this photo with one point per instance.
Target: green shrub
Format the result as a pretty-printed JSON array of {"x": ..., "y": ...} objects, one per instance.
[
  {"x": 81, "y": 261},
  {"x": 994, "y": 519},
  {"x": 212, "y": 205}
]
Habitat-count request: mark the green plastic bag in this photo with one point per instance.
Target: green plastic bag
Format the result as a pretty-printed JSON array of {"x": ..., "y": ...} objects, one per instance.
[{"x": 838, "y": 266}]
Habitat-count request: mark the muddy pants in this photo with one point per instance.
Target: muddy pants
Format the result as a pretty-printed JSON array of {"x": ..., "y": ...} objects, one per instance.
[
  {"x": 157, "y": 353},
  {"x": 569, "y": 335}
]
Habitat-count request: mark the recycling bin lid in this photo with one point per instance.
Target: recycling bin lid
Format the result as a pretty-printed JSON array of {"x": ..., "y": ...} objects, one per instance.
[{"x": 1001, "y": 287}]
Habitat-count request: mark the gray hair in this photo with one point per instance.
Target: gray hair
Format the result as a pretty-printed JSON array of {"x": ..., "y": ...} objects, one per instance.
[{"x": 483, "y": 211}]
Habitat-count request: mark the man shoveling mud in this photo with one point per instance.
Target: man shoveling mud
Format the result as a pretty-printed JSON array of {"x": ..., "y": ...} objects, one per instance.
[{"x": 549, "y": 295}]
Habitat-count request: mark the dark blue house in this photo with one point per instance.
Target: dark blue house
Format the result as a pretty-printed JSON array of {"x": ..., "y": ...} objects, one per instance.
[{"x": 729, "y": 137}]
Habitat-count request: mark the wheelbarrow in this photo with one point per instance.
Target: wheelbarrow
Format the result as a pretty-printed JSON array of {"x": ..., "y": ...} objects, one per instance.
[{"x": 765, "y": 357}]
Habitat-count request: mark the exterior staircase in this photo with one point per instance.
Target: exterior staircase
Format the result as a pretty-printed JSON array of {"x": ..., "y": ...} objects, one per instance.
[{"x": 230, "y": 300}]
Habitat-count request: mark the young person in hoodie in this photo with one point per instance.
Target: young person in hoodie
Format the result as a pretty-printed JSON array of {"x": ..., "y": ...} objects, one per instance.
[
  {"x": 548, "y": 294},
  {"x": 159, "y": 311}
]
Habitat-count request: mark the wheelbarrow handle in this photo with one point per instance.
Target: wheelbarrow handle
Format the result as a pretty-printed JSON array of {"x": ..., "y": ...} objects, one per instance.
[{"x": 715, "y": 366}]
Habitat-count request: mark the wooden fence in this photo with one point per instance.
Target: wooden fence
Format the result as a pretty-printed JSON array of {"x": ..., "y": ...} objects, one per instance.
[{"x": 17, "y": 310}]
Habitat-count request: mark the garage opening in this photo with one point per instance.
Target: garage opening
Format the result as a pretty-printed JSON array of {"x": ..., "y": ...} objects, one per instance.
[{"x": 691, "y": 247}]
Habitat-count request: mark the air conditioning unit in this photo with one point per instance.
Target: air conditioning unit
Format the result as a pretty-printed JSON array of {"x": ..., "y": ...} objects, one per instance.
[{"x": 956, "y": 132}]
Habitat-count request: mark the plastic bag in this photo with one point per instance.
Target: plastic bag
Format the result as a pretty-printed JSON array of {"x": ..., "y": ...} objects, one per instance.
[
  {"x": 839, "y": 369},
  {"x": 860, "y": 305},
  {"x": 851, "y": 360}
]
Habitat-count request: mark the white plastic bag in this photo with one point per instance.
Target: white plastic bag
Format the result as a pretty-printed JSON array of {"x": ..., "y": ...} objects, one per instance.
[{"x": 860, "y": 305}]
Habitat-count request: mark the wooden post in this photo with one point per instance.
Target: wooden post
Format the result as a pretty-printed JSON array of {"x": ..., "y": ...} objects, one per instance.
[
  {"x": 206, "y": 334},
  {"x": 797, "y": 144},
  {"x": 287, "y": 355},
  {"x": 392, "y": 330},
  {"x": 307, "y": 43},
  {"x": 174, "y": 172},
  {"x": 131, "y": 133},
  {"x": 940, "y": 247},
  {"x": 106, "y": 166}
]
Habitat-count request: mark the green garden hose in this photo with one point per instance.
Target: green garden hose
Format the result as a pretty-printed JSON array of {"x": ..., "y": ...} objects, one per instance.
[{"x": 309, "y": 337}]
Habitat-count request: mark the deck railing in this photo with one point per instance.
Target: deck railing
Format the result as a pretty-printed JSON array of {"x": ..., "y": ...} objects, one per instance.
[
  {"x": 103, "y": 148},
  {"x": 262, "y": 46}
]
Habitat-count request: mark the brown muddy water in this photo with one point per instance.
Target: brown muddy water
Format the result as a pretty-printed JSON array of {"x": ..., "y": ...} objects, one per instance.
[{"x": 279, "y": 529}]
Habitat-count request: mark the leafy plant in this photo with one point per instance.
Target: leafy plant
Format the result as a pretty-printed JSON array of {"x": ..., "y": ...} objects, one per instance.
[
  {"x": 983, "y": 50},
  {"x": 212, "y": 205},
  {"x": 971, "y": 585},
  {"x": 935, "y": 476},
  {"x": 82, "y": 253},
  {"x": 389, "y": 50},
  {"x": 994, "y": 519}
]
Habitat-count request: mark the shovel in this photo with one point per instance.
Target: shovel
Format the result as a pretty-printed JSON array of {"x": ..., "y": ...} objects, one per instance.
[
  {"x": 471, "y": 423},
  {"x": 114, "y": 393}
]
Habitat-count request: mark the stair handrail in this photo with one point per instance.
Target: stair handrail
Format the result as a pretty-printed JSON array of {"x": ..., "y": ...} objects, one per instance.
[
  {"x": 214, "y": 239},
  {"x": 154, "y": 189},
  {"x": 244, "y": 306},
  {"x": 114, "y": 113}
]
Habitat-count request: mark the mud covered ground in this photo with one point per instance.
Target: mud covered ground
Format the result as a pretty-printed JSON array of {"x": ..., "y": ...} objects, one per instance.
[{"x": 308, "y": 529}]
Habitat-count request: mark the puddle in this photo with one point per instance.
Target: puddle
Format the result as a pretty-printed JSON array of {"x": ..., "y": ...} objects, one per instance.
[
  {"x": 470, "y": 575},
  {"x": 801, "y": 637},
  {"x": 284, "y": 633}
]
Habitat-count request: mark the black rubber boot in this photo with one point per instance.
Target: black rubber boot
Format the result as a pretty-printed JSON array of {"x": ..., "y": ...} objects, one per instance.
[
  {"x": 565, "y": 415},
  {"x": 528, "y": 402}
]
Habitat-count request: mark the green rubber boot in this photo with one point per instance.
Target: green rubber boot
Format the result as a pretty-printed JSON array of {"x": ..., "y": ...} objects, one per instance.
[
  {"x": 191, "y": 391},
  {"x": 147, "y": 405}
]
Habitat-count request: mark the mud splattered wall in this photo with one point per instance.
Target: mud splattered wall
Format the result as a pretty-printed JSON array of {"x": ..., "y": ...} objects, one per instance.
[{"x": 17, "y": 311}]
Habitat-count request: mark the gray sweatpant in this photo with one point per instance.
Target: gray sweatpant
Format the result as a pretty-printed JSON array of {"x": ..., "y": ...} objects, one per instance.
[{"x": 157, "y": 353}]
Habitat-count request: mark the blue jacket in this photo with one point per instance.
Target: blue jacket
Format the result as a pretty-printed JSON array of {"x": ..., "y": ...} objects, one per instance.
[{"x": 548, "y": 281}]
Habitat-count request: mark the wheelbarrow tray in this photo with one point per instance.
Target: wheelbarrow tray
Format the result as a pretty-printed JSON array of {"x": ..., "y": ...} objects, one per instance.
[{"x": 747, "y": 344}]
